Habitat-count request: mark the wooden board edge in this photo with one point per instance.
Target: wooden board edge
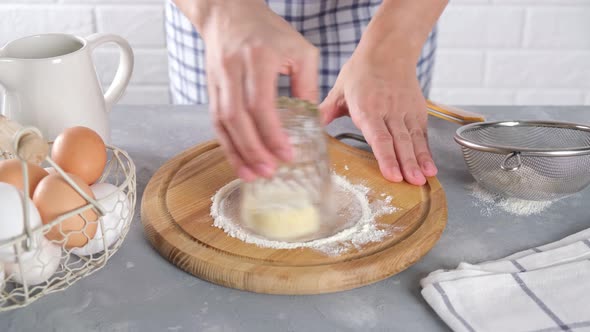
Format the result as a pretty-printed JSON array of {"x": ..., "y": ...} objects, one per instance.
[{"x": 245, "y": 280}]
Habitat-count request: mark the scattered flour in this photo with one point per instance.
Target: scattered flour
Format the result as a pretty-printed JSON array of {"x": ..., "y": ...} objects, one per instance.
[
  {"x": 346, "y": 167},
  {"x": 364, "y": 231},
  {"x": 489, "y": 202}
]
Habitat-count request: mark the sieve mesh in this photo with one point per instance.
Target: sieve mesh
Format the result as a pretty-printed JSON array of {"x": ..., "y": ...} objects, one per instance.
[
  {"x": 538, "y": 136},
  {"x": 541, "y": 160}
]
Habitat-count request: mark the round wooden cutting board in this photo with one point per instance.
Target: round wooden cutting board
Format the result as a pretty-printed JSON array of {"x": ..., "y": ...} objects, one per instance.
[{"x": 175, "y": 214}]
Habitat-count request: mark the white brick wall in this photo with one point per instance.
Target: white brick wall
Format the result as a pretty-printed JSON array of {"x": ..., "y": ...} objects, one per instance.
[
  {"x": 515, "y": 52},
  {"x": 491, "y": 51}
]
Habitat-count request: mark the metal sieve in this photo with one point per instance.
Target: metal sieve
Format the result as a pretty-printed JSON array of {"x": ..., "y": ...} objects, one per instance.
[{"x": 531, "y": 160}]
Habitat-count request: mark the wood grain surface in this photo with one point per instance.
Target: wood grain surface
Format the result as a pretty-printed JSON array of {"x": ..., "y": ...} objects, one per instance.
[{"x": 175, "y": 215}]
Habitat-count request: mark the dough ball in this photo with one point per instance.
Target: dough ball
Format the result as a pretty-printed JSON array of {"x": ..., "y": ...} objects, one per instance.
[
  {"x": 280, "y": 211},
  {"x": 283, "y": 224}
]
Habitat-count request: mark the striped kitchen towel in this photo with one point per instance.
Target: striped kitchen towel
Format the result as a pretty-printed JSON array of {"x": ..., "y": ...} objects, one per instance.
[{"x": 543, "y": 289}]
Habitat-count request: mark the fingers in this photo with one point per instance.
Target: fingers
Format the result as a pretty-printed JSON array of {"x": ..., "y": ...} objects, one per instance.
[
  {"x": 304, "y": 76},
  {"x": 261, "y": 86},
  {"x": 243, "y": 171},
  {"x": 400, "y": 146},
  {"x": 237, "y": 122},
  {"x": 242, "y": 88},
  {"x": 381, "y": 141},
  {"x": 404, "y": 147},
  {"x": 420, "y": 142}
]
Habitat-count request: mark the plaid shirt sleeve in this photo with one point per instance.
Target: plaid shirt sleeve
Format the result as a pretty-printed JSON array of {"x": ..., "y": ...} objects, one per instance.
[{"x": 335, "y": 27}]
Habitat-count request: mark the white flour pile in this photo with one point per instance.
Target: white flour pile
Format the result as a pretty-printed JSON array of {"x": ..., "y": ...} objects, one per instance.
[
  {"x": 489, "y": 202},
  {"x": 364, "y": 231}
]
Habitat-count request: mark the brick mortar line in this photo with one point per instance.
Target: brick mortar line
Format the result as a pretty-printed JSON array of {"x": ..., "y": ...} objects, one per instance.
[
  {"x": 528, "y": 52},
  {"x": 485, "y": 80},
  {"x": 466, "y": 89},
  {"x": 573, "y": 90},
  {"x": 129, "y": 6},
  {"x": 485, "y": 49},
  {"x": 583, "y": 91},
  {"x": 113, "y": 3},
  {"x": 59, "y": 6},
  {"x": 152, "y": 86},
  {"x": 142, "y": 49},
  {"x": 474, "y": 51},
  {"x": 524, "y": 29},
  {"x": 518, "y": 5},
  {"x": 94, "y": 20},
  {"x": 159, "y": 4},
  {"x": 45, "y": 6},
  {"x": 152, "y": 4},
  {"x": 451, "y": 5}
]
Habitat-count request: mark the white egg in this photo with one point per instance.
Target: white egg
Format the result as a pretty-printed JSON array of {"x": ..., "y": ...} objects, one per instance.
[
  {"x": 117, "y": 210},
  {"x": 2, "y": 276},
  {"x": 12, "y": 221},
  {"x": 51, "y": 170},
  {"x": 38, "y": 268}
]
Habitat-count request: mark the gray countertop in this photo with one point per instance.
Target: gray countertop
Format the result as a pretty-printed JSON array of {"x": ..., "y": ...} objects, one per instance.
[{"x": 140, "y": 291}]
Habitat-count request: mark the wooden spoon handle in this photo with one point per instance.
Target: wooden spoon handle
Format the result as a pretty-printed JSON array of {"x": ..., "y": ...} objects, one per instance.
[
  {"x": 453, "y": 114},
  {"x": 26, "y": 143}
]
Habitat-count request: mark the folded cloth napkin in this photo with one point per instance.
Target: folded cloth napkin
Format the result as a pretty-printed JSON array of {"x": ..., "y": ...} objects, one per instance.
[{"x": 543, "y": 289}]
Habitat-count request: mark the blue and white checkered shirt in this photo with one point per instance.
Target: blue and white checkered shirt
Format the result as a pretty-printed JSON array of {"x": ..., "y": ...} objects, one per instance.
[{"x": 334, "y": 26}]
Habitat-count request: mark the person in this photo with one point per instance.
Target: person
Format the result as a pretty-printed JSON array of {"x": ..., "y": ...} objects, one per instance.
[{"x": 371, "y": 60}]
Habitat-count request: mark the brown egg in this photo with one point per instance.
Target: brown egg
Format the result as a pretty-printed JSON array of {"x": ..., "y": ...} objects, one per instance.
[
  {"x": 11, "y": 172},
  {"x": 80, "y": 151},
  {"x": 55, "y": 197}
]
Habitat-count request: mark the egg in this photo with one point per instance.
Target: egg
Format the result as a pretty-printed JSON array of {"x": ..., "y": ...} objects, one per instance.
[
  {"x": 38, "y": 268},
  {"x": 11, "y": 172},
  {"x": 55, "y": 197},
  {"x": 2, "y": 278},
  {"x": 117, "y": 210},
  {"x": 80, "y": 151},
  {"x": 12, "y": 220}
]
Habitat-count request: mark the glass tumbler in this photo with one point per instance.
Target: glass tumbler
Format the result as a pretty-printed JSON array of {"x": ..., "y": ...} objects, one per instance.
[{"x": 296, "y": 203}]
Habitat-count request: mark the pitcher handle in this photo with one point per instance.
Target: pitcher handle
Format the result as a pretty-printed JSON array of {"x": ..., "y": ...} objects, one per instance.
[{"x": 123, "y": 75}]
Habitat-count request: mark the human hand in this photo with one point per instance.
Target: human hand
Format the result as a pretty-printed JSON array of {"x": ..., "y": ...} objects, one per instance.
[
  {"x": 386, "y": 103},
  {"x": 247, "y": 47}
]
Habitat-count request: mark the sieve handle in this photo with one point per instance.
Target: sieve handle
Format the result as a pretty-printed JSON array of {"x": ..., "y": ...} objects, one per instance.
[
  {"x": 352, "y": 136},
  {"x": 507, "y": 168},
  {"x": 27, "y": 143},
  {"x": 453, "y": 114}
]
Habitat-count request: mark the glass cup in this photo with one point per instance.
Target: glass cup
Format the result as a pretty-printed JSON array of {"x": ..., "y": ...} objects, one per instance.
[{"x": 296, "y": 203}]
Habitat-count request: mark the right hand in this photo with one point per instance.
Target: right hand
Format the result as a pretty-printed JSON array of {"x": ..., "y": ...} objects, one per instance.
[{"x": 247, "y": 47}]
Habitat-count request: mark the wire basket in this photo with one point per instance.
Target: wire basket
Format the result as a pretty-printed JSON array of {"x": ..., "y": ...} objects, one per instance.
[
  {"x": 39, "y": 266},
  {"x": 530, "y": 160}
]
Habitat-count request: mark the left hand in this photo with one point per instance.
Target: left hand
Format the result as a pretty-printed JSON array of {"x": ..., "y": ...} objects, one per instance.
[{"x": 386, "y": 103}]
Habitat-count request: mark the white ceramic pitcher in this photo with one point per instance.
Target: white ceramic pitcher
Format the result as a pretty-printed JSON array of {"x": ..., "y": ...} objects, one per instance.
[{"x": 51, "y": 82}]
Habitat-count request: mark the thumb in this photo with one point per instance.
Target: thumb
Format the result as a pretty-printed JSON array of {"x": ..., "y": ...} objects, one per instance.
[
  {"x": 305, "y": 78},
  {"x": 330, "y": 108}
]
